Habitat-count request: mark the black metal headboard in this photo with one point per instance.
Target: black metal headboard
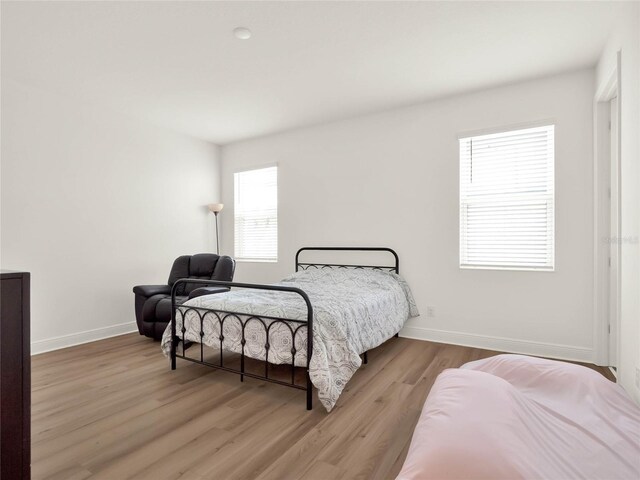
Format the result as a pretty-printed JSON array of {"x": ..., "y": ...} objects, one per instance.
[{"x": 391, "y": 268}]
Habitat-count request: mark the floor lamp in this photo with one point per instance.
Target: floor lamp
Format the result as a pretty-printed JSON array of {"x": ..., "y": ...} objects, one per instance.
[{"x": 216, "y": 208}]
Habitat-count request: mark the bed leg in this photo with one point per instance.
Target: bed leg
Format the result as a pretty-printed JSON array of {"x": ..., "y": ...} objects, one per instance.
[
  {"x": 173, "y": 354},
  {"x": 309, "y": 392},
  {"x": 174, "y": 339},
  {"x": 366, "y": 358},
  {"x": 242, "y": 364}
]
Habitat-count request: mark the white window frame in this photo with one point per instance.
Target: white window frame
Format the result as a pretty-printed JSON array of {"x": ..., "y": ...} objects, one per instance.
[
  {"x": 466, "y": 199},
  {"x": 238, "y": 257}
]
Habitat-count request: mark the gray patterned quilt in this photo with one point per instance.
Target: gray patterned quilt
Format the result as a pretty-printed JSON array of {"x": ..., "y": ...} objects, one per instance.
[{"x": 353, "y": 311}]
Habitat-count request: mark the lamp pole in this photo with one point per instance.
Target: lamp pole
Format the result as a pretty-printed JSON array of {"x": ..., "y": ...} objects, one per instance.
[
  {"x": 217, "y": 238},
  {"x": 216, "y": 208}
]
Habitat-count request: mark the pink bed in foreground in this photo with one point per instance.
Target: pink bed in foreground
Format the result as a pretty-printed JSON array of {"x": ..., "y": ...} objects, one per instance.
[{"x": 513, "y": 417}]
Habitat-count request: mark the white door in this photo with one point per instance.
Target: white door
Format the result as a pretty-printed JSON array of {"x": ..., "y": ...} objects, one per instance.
[{"x": 614, "y": 249}]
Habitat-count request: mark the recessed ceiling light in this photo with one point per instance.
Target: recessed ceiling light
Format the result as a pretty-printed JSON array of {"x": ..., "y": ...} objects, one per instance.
[{"x": 242, "y": 33}]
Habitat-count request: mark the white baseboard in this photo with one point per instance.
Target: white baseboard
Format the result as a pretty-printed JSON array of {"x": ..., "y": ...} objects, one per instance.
[
  {"x": 508, "y": 345},
  {"x": 63, "y": 341}
]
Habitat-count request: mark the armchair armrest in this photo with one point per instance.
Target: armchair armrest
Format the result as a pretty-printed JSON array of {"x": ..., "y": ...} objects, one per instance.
[
  {"x": 150, "y": 290},
  {"x": 198, "y": 292}
]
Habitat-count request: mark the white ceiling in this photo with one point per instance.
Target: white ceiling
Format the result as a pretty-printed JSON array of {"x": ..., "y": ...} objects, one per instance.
[{"x": 178, "y": 64}]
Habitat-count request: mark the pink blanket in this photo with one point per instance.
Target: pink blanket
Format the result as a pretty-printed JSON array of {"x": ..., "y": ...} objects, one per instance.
[{"x": 513, "y": 417}]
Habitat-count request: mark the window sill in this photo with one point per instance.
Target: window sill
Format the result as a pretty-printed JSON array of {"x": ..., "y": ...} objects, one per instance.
[
  {"x": 513, "y": 269},
  {"x": 253, "y": 260}
]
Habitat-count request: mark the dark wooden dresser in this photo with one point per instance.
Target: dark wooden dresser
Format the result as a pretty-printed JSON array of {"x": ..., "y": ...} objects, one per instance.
[{"x": 15, "y": 376}]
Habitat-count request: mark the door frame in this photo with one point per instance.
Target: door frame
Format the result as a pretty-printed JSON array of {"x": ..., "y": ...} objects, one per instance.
[{"x": 602, "y": 222}]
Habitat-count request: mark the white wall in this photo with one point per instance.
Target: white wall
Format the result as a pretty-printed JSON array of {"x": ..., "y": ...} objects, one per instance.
[
  {"x": 94, "y": 203},
  {"x": 391, "y": 179},
  {"x": 626, "y": 38}
]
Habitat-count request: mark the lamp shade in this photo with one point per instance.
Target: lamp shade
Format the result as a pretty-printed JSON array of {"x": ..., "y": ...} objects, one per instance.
[{"x": 215, "y": 207}]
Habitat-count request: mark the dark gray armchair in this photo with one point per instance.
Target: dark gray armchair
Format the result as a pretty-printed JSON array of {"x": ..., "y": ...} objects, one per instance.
[{"x": 153, "y": 302}]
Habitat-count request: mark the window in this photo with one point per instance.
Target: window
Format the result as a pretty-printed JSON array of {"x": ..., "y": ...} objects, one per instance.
[
  {"x": 507, "y": 200},
  {"x": 256, "y": 215}
]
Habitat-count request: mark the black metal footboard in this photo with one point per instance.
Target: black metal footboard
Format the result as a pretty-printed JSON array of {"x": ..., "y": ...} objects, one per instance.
[{"x": 267, "y": 322}]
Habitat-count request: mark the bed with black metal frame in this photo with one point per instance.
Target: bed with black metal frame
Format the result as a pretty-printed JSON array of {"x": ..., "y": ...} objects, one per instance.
[{"x": 266, "y": 321}]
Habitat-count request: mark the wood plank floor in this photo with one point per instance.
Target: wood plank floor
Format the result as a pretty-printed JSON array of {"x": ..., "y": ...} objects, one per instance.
[{"x": 114, "y": 410}]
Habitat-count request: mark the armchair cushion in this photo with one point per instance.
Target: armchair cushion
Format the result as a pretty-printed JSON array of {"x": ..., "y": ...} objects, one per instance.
[
  {"x": 151, "y": 290},
  {"x": 198, "y": 292},
  {"x": 225, "y": 269},
  {"x": 163, "y": 310},
  {"x": 158, "y": 308}
]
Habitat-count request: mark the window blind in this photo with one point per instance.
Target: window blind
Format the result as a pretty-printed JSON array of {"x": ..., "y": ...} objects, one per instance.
[
  {"x": 256, "y": 215},
  {"x": 507, "y": 200}
]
